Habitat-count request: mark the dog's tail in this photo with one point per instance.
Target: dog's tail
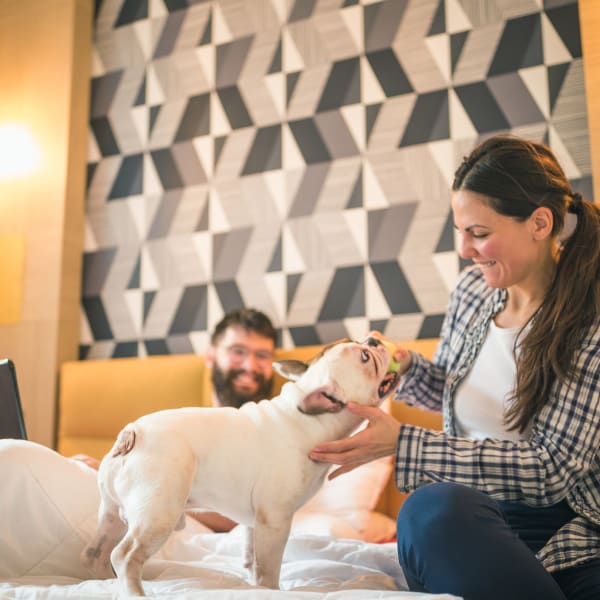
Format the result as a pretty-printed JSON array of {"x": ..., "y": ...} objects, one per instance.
[{"x": 125, "y": 442}]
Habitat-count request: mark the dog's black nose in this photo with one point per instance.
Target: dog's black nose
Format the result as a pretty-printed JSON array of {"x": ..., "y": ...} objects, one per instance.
[{"x": 372, "y": 341}]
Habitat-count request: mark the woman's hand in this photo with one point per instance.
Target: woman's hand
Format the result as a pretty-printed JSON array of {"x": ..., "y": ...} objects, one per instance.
[{"x": 378, "y": 439}]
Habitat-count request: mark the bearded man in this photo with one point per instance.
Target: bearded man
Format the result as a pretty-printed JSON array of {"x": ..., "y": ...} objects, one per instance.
[{"x": 241, "y": 358}]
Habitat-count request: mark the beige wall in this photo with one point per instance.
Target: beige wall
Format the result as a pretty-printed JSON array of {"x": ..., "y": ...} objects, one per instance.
[
  {"x": 44, "y": 82},
  {"x": 589, "y": 17},
  {"x": 45, "y": 56}
]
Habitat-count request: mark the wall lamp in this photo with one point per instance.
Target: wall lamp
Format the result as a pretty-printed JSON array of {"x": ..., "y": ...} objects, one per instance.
[{"x": 20, "y": 154}]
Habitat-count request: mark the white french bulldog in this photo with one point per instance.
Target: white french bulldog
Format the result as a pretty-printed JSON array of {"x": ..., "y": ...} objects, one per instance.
[{"x": 250, "y": 464}]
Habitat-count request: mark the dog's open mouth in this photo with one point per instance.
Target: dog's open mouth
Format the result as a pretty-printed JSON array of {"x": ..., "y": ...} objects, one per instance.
[
  {"x": 388, "y": 382},
  {"x": 336, "y": 403}
]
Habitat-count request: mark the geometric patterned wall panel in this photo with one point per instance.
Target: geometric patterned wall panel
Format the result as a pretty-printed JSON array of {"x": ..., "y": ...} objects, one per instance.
[{"x": 296, "y": 156}]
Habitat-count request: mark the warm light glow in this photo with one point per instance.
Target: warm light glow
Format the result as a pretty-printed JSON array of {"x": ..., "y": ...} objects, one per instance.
[{"x": 20, "y": 154}]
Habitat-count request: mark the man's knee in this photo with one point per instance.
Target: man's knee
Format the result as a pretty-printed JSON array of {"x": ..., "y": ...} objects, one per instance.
[{"x": 16, "y": 452}]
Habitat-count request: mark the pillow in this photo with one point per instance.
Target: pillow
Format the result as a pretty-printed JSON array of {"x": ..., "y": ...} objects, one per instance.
[{"x": 345, "y": 506}]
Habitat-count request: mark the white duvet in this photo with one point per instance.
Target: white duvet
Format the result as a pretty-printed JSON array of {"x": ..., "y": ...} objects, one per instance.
[
  {"x": 48, "y": 512},
  {"x": 209, "y": 565}
]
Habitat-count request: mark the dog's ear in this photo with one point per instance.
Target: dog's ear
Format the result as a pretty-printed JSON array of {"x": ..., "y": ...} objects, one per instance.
[{"x": 290, "y": 369}]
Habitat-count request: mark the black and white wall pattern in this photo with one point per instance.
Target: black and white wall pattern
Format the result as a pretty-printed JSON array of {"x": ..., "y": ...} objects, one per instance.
[{"x": 296, "y": 156}]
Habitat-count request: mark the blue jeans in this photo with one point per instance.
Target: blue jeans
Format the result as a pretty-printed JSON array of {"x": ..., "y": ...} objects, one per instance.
[{"x": 453, "y": 539}]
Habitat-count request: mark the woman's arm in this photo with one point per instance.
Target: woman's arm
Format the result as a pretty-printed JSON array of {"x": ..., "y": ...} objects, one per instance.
[{"x": 559, "y": 452}]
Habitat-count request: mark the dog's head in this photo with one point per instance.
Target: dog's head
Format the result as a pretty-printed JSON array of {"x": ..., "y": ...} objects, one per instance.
[{"x": 344, "y": 372}]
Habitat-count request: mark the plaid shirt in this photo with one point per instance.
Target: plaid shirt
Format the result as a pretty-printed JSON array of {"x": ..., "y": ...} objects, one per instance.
[{"x": 559, "y": 460}]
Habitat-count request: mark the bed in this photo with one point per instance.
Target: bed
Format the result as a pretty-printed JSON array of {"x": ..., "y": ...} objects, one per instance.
[
  {"x": 53, "y": 504},
  {"x": 209, "y": 564},
  {"x": 342, "y": 540}
]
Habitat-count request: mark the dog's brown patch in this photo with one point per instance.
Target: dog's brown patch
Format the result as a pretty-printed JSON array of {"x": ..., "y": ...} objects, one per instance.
[{"x": 261, "y": 516}]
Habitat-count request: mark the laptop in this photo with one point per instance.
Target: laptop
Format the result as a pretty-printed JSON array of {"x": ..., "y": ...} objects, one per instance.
[{"x": 12, "y": 424}]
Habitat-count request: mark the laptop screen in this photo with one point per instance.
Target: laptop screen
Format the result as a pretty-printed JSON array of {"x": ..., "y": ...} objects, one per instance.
[{"x": 12, "y": 424}]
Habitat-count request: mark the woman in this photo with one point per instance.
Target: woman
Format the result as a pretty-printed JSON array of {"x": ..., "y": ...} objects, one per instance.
[{"x": 507, "y": 500}]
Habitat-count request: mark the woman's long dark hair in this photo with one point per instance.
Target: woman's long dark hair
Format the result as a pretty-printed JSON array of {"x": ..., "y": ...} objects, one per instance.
[{"x": 519, "y": 176}]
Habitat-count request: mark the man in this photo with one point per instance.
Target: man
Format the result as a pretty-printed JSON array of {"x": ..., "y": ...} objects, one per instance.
[{"x": 241, "y": 358}]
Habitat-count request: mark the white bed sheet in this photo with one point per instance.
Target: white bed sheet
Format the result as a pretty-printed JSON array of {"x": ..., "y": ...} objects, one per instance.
[
  {"x": 210, "y": 565},
  {"x": 48, "y": 508}
]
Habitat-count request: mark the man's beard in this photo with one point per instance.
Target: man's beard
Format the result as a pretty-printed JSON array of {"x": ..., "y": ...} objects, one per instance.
[{"x": 226, "y": 393}]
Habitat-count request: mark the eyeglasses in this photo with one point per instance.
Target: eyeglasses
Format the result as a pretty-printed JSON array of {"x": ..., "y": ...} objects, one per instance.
[{"x": 238, "y": 354}]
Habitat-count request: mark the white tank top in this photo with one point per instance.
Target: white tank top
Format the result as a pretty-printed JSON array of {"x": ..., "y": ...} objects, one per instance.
[{"x": 483, "y": 395}]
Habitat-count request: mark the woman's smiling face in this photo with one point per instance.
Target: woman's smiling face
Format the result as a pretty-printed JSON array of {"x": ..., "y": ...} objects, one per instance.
[{"x": 503, "y": 247}]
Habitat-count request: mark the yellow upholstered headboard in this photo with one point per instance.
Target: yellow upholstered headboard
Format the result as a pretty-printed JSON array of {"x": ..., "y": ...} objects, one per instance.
[{"x": 98, "y": 397}]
